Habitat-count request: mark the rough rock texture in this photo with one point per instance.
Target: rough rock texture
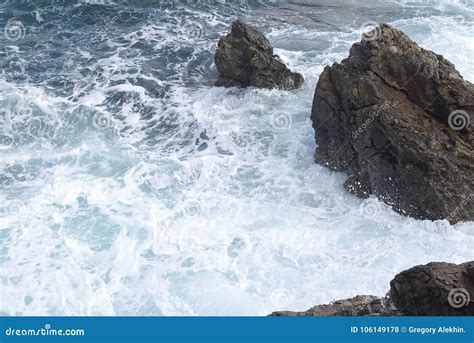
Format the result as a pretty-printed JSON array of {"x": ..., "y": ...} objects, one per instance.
[
  {"x": 361, "y": 305},
  {"x": 245, "y": 58},
  {"x": 436, "y": 289},
  {"x": 395, "y": 117}
]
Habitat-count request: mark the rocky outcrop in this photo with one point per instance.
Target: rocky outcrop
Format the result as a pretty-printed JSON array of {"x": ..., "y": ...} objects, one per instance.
[
  {"x": 361, "y": 305},
  {"x": 245, "y": 58},
  {"x": 396, "y": 118},
  {"x": 435, "y": 289}
]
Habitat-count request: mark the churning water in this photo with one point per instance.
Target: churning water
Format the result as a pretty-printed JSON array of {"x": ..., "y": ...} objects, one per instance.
[{"x": 131, "y": 186}]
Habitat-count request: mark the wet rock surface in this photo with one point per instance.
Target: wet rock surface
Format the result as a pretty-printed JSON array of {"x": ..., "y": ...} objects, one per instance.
[
  {"x": 436, "y": 289},
  {"x": 398, "y": 120},
  {"x": 244, "y": 58},
  {"x": 361, "y": 305}
]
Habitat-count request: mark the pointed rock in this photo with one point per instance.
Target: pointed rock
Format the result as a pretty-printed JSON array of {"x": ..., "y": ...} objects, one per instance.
[{"x": 244, "y": 58}]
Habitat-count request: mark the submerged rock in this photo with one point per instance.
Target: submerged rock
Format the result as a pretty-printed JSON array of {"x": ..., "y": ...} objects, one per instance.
[
  {"x": 396, "y": 118},
  {"x": 435, "y": 289},
  {"x": 245, "y": 58}
]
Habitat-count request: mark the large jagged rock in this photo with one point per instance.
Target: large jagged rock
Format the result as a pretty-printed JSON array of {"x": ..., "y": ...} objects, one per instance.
[
  {"x": 435, "y": 289},
  {"x": 396, "y": 117},
  {"x": 245, "y": 58}
]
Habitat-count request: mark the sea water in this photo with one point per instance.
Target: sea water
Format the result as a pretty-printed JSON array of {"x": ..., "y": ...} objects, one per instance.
[{"x": 130, "y": 185}]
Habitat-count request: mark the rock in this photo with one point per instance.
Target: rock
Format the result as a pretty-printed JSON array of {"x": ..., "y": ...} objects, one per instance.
[
  {"x": 245, "y": 58},
  {"x": 361, "y": 305},
  {"x": 395, "y": 117},
  {"x": 436, "y": 289}
]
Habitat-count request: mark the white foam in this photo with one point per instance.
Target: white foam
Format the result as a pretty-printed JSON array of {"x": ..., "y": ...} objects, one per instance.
[{"x": 132, "y": 221}]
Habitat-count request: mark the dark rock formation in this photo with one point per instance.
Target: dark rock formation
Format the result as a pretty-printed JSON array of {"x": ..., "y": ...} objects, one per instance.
[
  {"x": 361, "y": 305},
  {"x": 395, "y": 117},
  {"x": 245, "y": 58},
  {"x": 435, "y": 289}
]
